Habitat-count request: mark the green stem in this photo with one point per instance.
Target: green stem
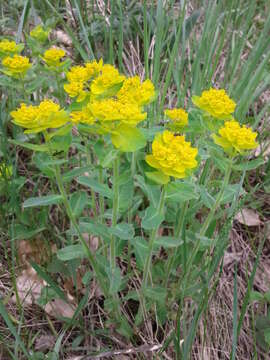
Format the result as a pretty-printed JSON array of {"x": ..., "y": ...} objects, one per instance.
[
  {"x": 153, "y": 236},
  {"x": 178, "y": 232},
  {"x": 73, "y": 221},
  {"x": 133, "y": 170},
  {"x": 197, "y": 246},
  {"x": 115, "y": 209}
]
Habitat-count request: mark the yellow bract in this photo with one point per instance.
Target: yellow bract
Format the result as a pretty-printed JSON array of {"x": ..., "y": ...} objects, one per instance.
[
  {"x": 16, "y": 66},
  {"x": 78, "y": 78},
  {"x": 40, "y": 34},
  {"x": 47, "y": 115},
  {"x": 236, "y": 138},
  {"x": 94, "y": 68},
  {"x": 8, "y": 48},
  {"x": 53, "y": 56},
  {"x": 172, "y": 155},
  {"x": 179, "y": 118},
  {"x": 82, "y": 116},
  {"x": 216, "y": 103},
  {"x": 115, "y": 110},
  {"x": 135, "y": 91},
  {"x": 107, "y": 81}
]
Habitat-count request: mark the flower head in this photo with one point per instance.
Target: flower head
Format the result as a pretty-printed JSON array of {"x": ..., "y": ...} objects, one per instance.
[
  {"x": 94, "y": 68},
  {"x": 135, "y": 91},
  {"x": 106, "y": 83},
  {"x": 109, "y": 110},
  {"x": 216, "y": 103},
  {"x": 47, "y": 115},
  {"x": 16, "y": 66},
  {"x": 79, "y": 76},
  {"x": 172, "y": 155},
  {"x": 53, "y": 56},
  {"x": 39, "y": 33},
  {"x": 235, "y": 138},
  {"x": 178, "y": 117},
  {"x": 8, "y": 48},
  {"x": 83, "y": 116}
]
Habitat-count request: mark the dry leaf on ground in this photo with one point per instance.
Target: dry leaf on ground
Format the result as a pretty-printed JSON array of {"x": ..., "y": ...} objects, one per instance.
[
  {"x": 248, "y": 217},
  {"x": 29, "y": 287},
  {"x": 44, "y": 342},
  {"x": 60, "y": 308}
]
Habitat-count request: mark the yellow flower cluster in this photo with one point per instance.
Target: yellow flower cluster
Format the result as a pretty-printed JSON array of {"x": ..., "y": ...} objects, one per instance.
[
  {"x": 235, "y": 138},
  {"x": 133, "y": 91},
  {"x": 113, "y": 100},
  {"x": 172, "y": 155},
  {"x": 40, "y": 34},
  {"x": 9, "y": 48},
  {"x": 178, "y": 117},
  {"x": 78, "y": 78},
  {"x": 216, "y": 103},
  {"x": 47, "y": 115},
  {"x": 53, "y": 56},
  {"x": 106, "y": 83},
  {"x": 16, "y": 66},
  {"x": 83, "y": 116},
  {"x": 115, "y": 110}
]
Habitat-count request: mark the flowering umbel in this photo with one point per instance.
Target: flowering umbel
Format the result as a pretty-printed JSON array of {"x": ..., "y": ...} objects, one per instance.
[
  {"x": 39, "y": 33},
  {"x": 178, "y": 117},
  {"x": 53, "y": 56},
  {"x": 216, "y": 103},
  {"x": 16, "y": 66},
  {"x": 135, "y": 91},
  {"x": 235, "y": 138},
  {"x": 172, "y": 155},
  {"x": 106, "y": 84},
  {"x": 47, "y": 115},
  {"x": 9, "y": 48},
  {"x": 79, "y": 77}
]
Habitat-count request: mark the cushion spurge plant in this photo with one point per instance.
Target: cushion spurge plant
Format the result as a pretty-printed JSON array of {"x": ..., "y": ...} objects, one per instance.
[{"x": 136, "y": 186}]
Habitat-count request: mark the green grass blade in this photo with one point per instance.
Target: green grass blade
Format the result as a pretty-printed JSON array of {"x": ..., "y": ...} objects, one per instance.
[
  {"x": 234, "y": 343},
  {"x": 12, "y": 329},
  {"x": 84, "y": 31},
  {"x": 23, "y": 19}
]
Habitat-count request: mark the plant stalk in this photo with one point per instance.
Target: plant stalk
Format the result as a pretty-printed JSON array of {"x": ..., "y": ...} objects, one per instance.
[{"x": 115, "y": 210}]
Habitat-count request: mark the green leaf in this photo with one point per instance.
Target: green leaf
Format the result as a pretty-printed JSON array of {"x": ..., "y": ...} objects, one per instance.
[
  {"x": 141, "y": 249},
  {"x": 128, "y": 139},
  {"x": 158, "y": 177},
  {"x": 256, "y": 296},
  {"x": 61, "y": 142},
  {"x": 250, "y": 165},
  {"x": 62, "y": 131},
  {"x": 42, "y": 201},
  {"x": 151, "y": 191},
  {"x": 230, "y": 192},
  {"x": 181, "y": 191},
  {"x": 152, "y": 219},
  {"x": 29, "y": 146},
  {"x": 97, "y": 187},
  {"x": 71, "y": 252},
  {"x": 156, "y": 293},
  {"x": 123, "y": 231},
  {"x": 94, "y": 228},
  {"x": 168, "y": 241},
  {"x": 207, "y": 199},
  {"x": 70, "y": 175},
  {"x": 22, "y": 232},
  {"x": 114, "y": 279},
  {"x": 78, "y": 201}
]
